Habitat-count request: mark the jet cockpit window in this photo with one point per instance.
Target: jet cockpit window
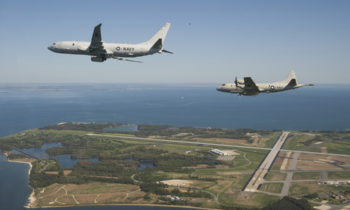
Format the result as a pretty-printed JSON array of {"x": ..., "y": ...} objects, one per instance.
[
  {"x": 54, "y": 43},
  {"x": 223, "y": 84}
]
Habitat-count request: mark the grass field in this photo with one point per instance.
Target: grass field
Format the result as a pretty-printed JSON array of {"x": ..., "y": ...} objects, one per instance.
[
  {"x": 85, "y": 194},
  {"x": 275, "y": 177},
  {"x": 272, "y": 187},
  {"x": 297, "y": 141},
  {"x": 339, "y": 175},
  {"x": 333, "y": 142},
  {"x": 306, "y": 175},
  {"x": 256, "y": 200},
  {"x": 304, "y": 188},
  {"x": 213, "y": 182},
  {"x": 270, "y": 139}
]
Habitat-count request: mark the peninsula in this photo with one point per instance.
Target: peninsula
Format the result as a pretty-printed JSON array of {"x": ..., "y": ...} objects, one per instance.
[{"x": 126, "y": 164}]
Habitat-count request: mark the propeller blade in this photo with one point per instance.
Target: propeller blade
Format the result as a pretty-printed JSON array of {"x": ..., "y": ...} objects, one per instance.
[{"x": 236, "y": 82}]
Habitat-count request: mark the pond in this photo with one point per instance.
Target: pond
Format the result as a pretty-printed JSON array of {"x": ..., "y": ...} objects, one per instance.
[
  {"x": 65, "y": 160},
  {"x": 142, "y": 164},
  {"x": 39, "y": 153}
]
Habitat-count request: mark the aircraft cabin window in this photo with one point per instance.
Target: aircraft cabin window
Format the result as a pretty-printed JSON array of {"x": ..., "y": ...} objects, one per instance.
[{"x": 73, "y": 44}]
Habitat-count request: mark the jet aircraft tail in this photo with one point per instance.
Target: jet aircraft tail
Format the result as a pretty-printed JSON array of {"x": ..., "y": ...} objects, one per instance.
[{"x": 157, "y": 40}]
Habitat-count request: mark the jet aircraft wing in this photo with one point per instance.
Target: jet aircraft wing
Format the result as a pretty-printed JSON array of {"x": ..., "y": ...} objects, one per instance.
[
  {"x": 249, "y": 83},
  {"x": 96, "y": 41}
]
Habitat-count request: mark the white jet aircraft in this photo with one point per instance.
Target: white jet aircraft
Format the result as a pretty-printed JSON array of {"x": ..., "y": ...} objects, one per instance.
[
  {"x": 248, "y": 88},
  {"x": 100, "y": 51}
]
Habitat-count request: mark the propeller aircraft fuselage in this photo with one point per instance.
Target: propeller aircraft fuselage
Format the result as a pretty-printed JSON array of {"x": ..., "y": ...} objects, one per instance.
[{"x": 248, "y": 87}]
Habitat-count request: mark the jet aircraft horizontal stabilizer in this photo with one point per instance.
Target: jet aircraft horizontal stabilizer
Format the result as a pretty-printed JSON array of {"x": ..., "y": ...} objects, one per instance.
[
  {"x": 166, "y": 51},
  {"x": 101, "y": 51}
]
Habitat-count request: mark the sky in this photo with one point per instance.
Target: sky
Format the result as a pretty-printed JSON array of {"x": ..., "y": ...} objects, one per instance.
[{"x": 212, "y": 41}]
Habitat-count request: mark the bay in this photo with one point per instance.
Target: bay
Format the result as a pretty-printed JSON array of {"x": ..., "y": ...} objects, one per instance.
[
  {"x": 27, "y": 106},
  {"x": 322, "y": 107}
]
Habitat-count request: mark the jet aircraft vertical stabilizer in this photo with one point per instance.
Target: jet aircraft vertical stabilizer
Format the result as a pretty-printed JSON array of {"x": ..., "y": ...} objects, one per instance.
[
  {"x": 161, "y": 34},
  {"x": 101, "y": 51}
]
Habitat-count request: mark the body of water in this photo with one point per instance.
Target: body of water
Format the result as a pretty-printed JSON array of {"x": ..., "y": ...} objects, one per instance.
[
  {"x": 323, "y": 107},
  {"x": 39, "y": 153},
  {"x": 65, "y": 161},
  {"x": 144, "y": 165}
]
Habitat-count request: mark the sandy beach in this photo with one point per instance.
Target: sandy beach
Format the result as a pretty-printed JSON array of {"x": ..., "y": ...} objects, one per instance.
[{"x": 31, "y": 198}]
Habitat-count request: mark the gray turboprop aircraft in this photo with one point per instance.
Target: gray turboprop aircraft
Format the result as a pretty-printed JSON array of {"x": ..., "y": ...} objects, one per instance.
[
  {"x": 248, "y": 88},
  {"x": 100, "y": 51}
]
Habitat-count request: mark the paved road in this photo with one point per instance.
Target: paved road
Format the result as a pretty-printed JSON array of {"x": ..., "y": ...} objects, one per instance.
[
  {"x": 264, "y": 167},
  {"x": 314, "y": 153},
  {"x": 324, "y": 175},
  {"x": 206, "y": 144},
  {"x": 298, "y": 170},
  {"x": 307, "y": 180},
  {"x": 288, "y": 180},
  {"x": 178, "y": 141}
]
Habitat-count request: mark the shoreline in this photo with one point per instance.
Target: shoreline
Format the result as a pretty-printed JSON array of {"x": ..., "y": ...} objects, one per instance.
[
  {"x": 31, "y": 199},
  {"x": 130, "y": 204}
]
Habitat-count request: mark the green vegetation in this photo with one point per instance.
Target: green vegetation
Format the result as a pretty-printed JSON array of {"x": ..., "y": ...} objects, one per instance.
[
  {"x": 289, "y": 203},
  {"x": 275, "y": 176},
  {"x": 209, "y": 182},
  {"x": 305, "y": 188},
  {"x": 93, "y": 127},
  {"x": 164, "y": 130},
  {"x": 271, "y": 139},
  {"x": 306, "y": 175},
  {"x": 272, "y": 187},
  {"x": 330, "y": 141},
  {"x": 12, "y": 156},
  {"x": 339, "y": 175},
  {"x": 312, "y": 190}
]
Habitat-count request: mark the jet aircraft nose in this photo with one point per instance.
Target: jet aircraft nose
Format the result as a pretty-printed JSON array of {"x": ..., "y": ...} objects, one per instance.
[{"x": 52, "y": 47}]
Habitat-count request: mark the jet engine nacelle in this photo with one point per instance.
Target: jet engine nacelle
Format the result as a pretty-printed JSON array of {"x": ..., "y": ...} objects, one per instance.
[{"x": 97, "y": 59}]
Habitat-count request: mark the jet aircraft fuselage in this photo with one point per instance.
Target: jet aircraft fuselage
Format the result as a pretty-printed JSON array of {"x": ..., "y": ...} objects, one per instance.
[{"x": 100, "y": 51}]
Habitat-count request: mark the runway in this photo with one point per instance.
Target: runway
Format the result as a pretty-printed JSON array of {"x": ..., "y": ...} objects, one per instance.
[{"x": 264, "y": 167}]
